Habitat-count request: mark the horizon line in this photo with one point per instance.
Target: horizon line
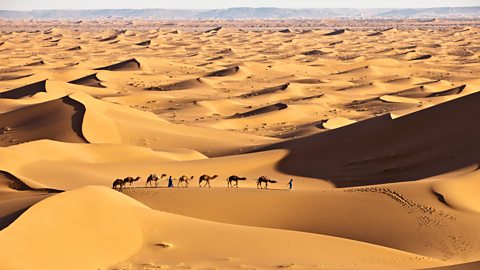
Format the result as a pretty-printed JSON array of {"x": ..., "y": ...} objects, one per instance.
[{"x": 299, "y": 8}]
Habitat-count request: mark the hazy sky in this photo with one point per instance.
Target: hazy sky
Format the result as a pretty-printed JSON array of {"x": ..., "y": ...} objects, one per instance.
[{"x": 208, "y": 4}]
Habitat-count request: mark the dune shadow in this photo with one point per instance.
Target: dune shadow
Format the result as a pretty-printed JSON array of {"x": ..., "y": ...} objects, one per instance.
[
  {"x": 90, "y": 80},
  {"x": 430, "y": 142},
  {"x": 8, "y": 219},
  {"x": 25, "y": 91},
  {"x": 262, "y": 110},
  {"x": 127, "y": 65},
  {"x": 77, "y": 116}
]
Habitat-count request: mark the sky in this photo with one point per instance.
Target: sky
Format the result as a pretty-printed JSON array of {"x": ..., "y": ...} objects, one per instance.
[{"x": 218, "y": 4}]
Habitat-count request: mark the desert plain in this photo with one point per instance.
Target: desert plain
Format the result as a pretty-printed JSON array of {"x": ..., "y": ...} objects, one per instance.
[{"x": 378, "y": 128}]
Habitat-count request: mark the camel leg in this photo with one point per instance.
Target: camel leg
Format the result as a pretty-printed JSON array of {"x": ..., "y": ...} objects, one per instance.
[{"x": 236, "y": 183}]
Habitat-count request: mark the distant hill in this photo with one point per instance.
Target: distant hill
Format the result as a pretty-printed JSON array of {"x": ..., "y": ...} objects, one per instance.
[
  {"x": 281, "y": 13},
  {"x": 433, "y": 12},
  {"x": 246, "y": 13}
]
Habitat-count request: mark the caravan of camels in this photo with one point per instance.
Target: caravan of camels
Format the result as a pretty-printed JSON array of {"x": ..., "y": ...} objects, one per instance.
[{"x": 183, "y": 181}]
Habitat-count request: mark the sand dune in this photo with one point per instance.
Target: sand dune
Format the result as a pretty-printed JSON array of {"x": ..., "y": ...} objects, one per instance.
[
  {"x": 375, "y": 143},
  {"x": 224, "y": 72},
  {"x": 188, "y": 84},
  {"x": 82, "y": 115},
  {"x": 8, "y": 77},
  {"x": 89, "y": 80},
  {"x": 407, "y": 217},
  {"x": 165, "y": 233},
  {"x": 127, "y": 65},
  {"x": 422, "y": 57},
  {"x": 460, "y": 193},
  {"x": 59, "y": 235},
  {"x": 143, "y": 43},
  {"x": 336, "y": 32},
  {"x": 266, "y": 109},
  {"x": 337, "y": 122},
  {"x": 267, "y": 91},
  {"x": 375, "y": 125},
  {"x": 76, "y": 48},
  {"x": 59, "y": 119},
  {"x": 142, "y": 128},
  {"x": 25, "y": 91}
]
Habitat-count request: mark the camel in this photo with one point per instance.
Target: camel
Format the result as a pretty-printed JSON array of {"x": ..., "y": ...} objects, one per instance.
[
  {"x": 131, "y": 180},
  {"x": 119, "y": 183},
  {"x": 154, "y": 178},
  {"x": 184, "y": 179},
  {"x": 235, "y": 179},
  {"x": 207, "y": 179},
  {"x": 151, "y": 178},
  {"x": 264, "y": 179}
]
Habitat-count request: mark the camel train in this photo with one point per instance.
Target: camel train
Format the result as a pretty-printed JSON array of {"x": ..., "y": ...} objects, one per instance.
[
  {"x": 183, "y": 181},
  {"x": 123, "y": 182}
]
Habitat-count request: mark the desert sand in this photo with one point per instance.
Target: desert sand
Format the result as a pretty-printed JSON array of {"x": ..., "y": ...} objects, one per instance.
[{"x": 378, "y": 128}]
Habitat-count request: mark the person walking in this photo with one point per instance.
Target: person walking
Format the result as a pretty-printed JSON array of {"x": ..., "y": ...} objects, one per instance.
[
  {"x": 170, "y": 182},
  {"x": 290, "y": 184}
]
